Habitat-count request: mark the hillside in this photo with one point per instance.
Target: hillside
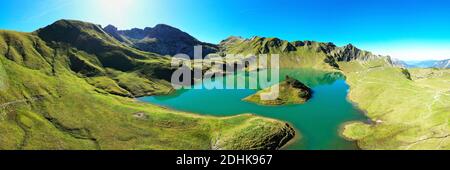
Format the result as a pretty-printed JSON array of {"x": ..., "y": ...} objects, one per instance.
[
  {"x": 408, "y": 111},
  {"x": 62, "y": 87},
  {"x": 105, "y": 62}
]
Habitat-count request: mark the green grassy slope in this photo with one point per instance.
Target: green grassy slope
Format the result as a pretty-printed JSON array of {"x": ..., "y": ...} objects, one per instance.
[
  {"x": 94, "y": 54},
  {"x": 410, "y": 110},
  {"x": 46, "y": 103}
]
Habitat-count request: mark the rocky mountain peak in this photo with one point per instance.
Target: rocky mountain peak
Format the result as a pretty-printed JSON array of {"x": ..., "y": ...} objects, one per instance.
[
  {"x": 350, "y": 46},
  {"x": 165, "y": 27},
  {"x": 147, "y": 29},
  {"x": 231, "y": 40},
  {"x": 162, "y": 39},
  {"x": 78, "y": 33},
  {"x": 110, "y": 28}
]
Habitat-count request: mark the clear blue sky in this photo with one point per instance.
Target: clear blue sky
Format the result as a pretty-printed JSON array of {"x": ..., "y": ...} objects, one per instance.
[{"x": 407, "y": 29}]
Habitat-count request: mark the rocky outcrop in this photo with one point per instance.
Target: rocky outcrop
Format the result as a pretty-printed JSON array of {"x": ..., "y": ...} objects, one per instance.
[
  {"x": 272, "y": 139},
  {"x": 114, "y": 32},
  {"x": 280, "y": 138},
  {"x": 350, "y": 52},
  {"x": 294, "y": 83}
]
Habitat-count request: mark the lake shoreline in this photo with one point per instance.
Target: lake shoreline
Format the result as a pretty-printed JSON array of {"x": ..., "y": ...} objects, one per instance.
[{"x": 311, "y": 130}]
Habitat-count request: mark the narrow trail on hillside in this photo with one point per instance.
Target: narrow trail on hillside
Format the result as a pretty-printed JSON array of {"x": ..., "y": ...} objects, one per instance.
[
  {"x": 77, "y": 133},
  {"x": 437, "y": 99},
  {"x": 21, "y": 101},
  {"x": 423, "y": 139}
]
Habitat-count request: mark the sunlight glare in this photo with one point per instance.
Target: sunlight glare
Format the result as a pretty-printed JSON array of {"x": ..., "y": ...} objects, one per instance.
[{"x": 115, "y": 11}]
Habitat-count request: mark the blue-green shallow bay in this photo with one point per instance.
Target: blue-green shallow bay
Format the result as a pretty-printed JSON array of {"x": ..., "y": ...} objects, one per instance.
[{"x": 318, "y": 120}]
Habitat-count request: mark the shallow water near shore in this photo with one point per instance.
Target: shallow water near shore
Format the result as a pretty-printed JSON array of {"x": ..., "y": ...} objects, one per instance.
[{"x": 318, "y": 121}]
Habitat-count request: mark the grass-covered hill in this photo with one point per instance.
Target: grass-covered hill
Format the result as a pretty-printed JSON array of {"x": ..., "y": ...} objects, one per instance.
[
  {"x": 409, "y": 109},
  {"x": 105, "y": 62},
  {"x": 69, "y": 86}
]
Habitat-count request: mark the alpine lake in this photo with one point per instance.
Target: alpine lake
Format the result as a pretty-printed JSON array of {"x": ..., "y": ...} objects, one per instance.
[{"x": 318, "y": 121}]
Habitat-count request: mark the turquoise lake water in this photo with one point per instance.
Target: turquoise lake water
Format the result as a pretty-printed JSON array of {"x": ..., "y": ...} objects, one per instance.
[{"x": 318, "y": 121}]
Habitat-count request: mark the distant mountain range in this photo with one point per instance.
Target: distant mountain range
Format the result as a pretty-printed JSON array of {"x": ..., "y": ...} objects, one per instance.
[
  {"x": 442, "y": 64},
  {"x": 424, "y": 63}
]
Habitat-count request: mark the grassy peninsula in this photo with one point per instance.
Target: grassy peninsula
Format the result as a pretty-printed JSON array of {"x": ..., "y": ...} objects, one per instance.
[{"x": 291, "y": 91}]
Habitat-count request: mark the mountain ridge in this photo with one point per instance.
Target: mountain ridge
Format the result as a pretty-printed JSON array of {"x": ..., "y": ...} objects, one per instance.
[
  {"x": 149, "y": 40},
  {"x": 162, "y": 39},
  {"x": 326, "y": 52}
]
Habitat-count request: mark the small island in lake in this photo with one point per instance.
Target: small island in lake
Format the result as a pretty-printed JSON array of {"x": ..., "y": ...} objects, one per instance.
[{"x": 292, "y": 91}]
